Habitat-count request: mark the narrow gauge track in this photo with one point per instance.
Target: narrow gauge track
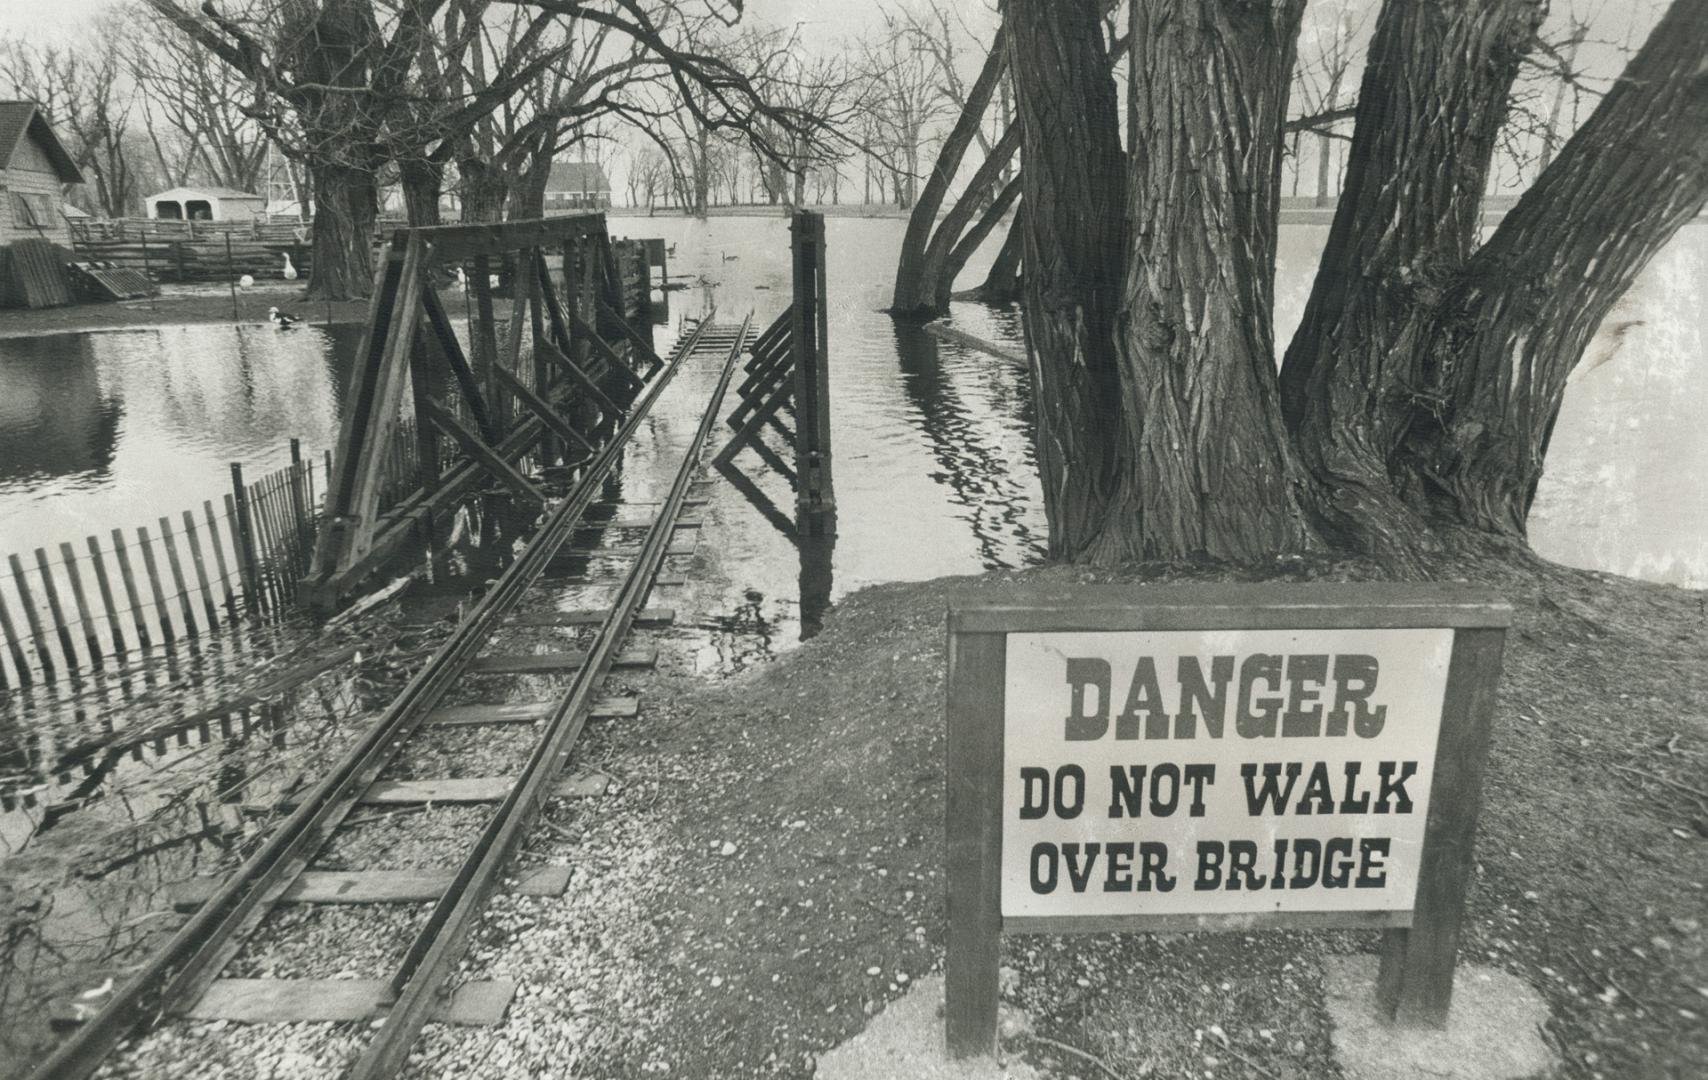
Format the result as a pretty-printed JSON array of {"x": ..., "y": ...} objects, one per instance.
[{"x": 175, "y": 978}]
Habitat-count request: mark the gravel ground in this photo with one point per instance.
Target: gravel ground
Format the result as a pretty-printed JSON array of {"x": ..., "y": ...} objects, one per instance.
[
  {"x": 406, "y": 839},
  {"x": 457, "y": 752},
  {"x": 767, "y": 875},
  {"x": 329, "y": 941}
]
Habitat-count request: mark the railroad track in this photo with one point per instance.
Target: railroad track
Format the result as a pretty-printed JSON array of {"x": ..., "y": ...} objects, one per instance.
[{"x": 176, "y": 979}]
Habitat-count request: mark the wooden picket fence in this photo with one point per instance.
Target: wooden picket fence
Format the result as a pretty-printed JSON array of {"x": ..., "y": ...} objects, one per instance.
[{"x": 190, "y": 575}]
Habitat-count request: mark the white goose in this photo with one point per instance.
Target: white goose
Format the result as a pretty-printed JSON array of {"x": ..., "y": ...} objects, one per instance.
[{"x": 290, "y": 271}]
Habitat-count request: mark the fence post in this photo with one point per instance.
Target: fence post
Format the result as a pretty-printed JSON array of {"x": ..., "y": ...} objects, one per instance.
[
  {"x": 299, "y": 506},
  {"x": 244, "y": 529},
  {"x": 230, "y": 278}
]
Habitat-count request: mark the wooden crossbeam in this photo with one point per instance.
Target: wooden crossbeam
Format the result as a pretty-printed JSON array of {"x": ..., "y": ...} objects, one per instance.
[
  {"x": 542, "y": 409},
  {"x": 779, "y": 375},
  {"x": 452, "y": 351},
  {"x": 482, "y": 454},
  {"x": 454, "y": 242},
  {"x": 646, "y": 351},
  {"x": 591, "y": 336},
  {"x": 768, "y": 338},
  {"x": 750, "y": 430},
  {"x": 554, "y": 303},
  {"x": 600, "y": 398}
]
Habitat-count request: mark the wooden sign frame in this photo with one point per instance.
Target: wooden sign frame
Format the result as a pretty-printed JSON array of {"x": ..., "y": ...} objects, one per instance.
[{"x": 1419, "y": 947}]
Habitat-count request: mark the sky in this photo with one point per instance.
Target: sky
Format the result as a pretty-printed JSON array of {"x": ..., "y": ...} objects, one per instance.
[{"x": 833, "y": 17}]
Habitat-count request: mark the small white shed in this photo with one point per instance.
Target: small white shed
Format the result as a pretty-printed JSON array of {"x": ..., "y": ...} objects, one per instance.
[{"x": 206, "y": 204}]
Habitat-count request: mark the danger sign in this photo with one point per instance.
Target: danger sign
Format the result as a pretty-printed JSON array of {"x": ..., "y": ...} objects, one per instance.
[
  {"x": 1216, "y": 757},
  {"x": 1223, "y": 771}
]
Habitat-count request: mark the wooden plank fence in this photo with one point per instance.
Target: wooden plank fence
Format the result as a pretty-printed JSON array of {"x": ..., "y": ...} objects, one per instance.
[{"x": 72, "y": 611}]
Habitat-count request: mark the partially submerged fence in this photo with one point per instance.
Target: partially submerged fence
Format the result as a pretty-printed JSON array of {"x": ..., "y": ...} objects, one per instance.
[{"x": 76, "y": 610}]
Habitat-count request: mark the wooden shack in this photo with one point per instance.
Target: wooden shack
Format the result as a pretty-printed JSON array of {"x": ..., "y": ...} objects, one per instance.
[{"x": 34, "y": 168}]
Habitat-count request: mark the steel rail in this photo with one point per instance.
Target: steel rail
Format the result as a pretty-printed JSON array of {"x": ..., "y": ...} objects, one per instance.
[
  {"x": 440, "y": 942},
  {"x": 182, "y": 969}
]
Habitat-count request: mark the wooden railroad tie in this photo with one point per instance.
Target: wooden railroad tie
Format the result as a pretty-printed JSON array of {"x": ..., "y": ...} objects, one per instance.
[
  {"x": 373, "y": 887},
  {"x": 554, "y": 663},
  {"x": 289, "y": 1001}
]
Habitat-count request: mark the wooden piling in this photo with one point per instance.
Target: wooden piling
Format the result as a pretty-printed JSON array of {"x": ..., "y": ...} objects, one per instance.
[
  {"x": 244, "y": 536},
  {"x": 299, "y": 507},
  {"x": 91, "y": 633},
  {"x": 105, "y": 587},
  {"x": 122, "y": 552}
]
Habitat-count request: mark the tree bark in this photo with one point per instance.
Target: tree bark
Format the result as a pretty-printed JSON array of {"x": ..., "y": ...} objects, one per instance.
[
  {"x": 1071, "y": 171},
  {"x": 346, "y": 204},
  {"x": 915, "y": 287},
  {"x": 1432, "y": 103},
  {"x": 422, "y": 181},
  {"x": 1206, "y": 467},
  {"x": 1496, "y": 357}
]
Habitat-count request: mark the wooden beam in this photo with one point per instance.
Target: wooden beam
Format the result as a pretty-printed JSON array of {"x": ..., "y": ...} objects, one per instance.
[
  {"x": 540, "y": 408},
  {"x": 263, "y": 1001},
  {"x": 455, "y": 242},
  {"x": 960, "y": 337},
  {"x": 452, "y": 351},
  {"x": 591, "y": 335},
  {"x": 600, "y": 398},
  {"x": 646, "y": 350},
  {"x": 482, "y": 454},
  {"x": 750, "y": 429}
]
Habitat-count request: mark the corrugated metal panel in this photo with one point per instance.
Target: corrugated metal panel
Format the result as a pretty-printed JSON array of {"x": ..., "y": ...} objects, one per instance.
[{"x": 34, "y": 275}]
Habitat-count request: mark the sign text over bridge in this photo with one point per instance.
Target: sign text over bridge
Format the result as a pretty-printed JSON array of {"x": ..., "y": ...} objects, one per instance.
[{"x": 1145, "y": 758}]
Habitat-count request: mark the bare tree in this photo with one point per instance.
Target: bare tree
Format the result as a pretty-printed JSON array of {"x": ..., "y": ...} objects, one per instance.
[{"x": 83, "y": 92}]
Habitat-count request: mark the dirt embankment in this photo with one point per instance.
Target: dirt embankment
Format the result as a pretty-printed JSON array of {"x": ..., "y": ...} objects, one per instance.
[{"x": 792, "y": 876}]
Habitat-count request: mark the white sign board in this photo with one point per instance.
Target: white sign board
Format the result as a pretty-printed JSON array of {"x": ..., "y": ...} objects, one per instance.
[{"x": 1218, "y": 771}]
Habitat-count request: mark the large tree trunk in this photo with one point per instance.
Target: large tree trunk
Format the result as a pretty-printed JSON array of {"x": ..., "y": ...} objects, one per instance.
[
  {"x": 915, "y": 286},
  {"x": 1432, "y": 103},
  {"x": 1071, "y": 171},
  {"x": 951, "y": 266},
  {"x": 1496, "y": 357},
  {"x": 422, "y": 180},
  {"x": 1206, "y": 467},
  {"x": 1001, "y": 284},
  {"x": 346, "y": 204}
]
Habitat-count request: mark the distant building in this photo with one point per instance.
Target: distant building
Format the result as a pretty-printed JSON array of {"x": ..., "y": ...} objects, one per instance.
[
  {"x": 34, "y": 167},
  {"x": 577, "y": 185},
  {"x": 206, "y": 204}
]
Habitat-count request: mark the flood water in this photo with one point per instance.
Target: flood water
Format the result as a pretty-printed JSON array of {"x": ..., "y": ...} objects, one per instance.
[
  {"x": 934, "y": 473},
  {"x": 933, "y": 476}
]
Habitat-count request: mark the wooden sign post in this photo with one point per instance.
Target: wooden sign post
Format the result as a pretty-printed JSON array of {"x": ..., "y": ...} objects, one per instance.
[{"x": 1216, "y": 757}]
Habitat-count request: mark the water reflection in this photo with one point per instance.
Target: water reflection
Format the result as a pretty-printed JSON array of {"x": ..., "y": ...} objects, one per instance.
[
  {"x": 100, "y": 430},
  {"x": 974, "y": 445},
  {"x": 57, "y": 424}
]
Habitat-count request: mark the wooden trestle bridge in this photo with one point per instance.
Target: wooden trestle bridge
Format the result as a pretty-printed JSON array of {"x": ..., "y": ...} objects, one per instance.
[{"x": 549, "y": 433}]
